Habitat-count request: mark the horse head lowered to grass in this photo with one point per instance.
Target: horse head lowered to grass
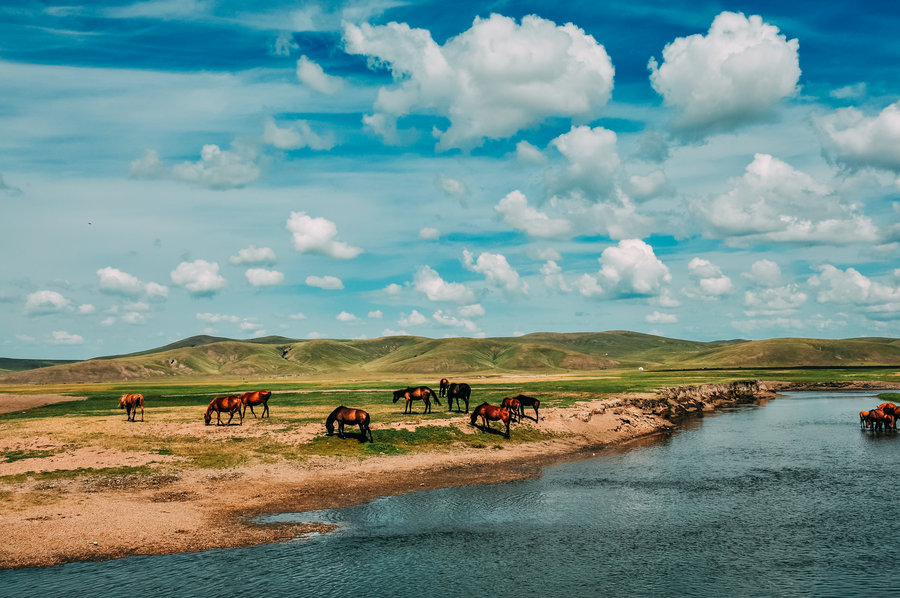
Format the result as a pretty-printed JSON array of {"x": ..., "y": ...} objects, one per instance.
[
  {"x": 489, "y": 413},
  {"x": 230, "y": 404},
  {"x": 347, "y": 415}
]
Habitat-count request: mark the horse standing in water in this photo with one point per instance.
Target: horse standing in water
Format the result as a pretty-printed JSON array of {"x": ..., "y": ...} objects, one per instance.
[
  {"x": 458, "y": 391},
  {"x": 231, "y": 404},
  {"x": 256, "y": 397},
  {"x": 445, "y": 384},
  {"x": 528, "y": 402},
  {"x": 515, "y": 407},
  {"x": 417, "y": 393},
  {"x": 493, "y": 413},
  {"x": 130, "y": 403},
  {"x": 355, "y": 417}
]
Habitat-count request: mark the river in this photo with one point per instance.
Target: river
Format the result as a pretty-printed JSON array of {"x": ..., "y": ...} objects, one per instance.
[{"x": 789, "y": 498}]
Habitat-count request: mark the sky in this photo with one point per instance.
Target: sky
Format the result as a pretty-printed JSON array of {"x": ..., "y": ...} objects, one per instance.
[{"x": 352, "y": 170}]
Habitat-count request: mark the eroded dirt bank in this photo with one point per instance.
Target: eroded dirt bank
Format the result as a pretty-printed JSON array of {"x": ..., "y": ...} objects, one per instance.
[{"x": 95, "y": 518}]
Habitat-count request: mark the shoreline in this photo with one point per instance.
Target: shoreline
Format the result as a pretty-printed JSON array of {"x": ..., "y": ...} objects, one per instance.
[{"x": 97, "y": 518}]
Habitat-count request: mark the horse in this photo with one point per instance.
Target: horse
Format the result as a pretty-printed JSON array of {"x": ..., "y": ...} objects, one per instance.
[
  {"x": 256, "y": 397},
  {"x": 458, "y": 391},
  {"x": 445, "y": 384},
  {"x": 491, "y": 413},
  {"x": 864, "y": 419},
  {"x": 416, "y": 393},
  {"x": 230, "y": 404},
  {"x": 528, "y": 402},
  {"x": 515, "y": 407},
  {"x": 346, "y": 415},
  {"x": 889, "y": 408},
  {"x": 130, "y": 403},
  {"x": 876, "y": 419}
]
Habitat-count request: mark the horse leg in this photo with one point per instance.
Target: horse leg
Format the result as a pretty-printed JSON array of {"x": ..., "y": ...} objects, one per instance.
[
  {"x": 142, "y": 412},
  {"x": 427, "y": 405},
  {"x": 340, "y": 429},
  {"x": 265, "y": 409}
]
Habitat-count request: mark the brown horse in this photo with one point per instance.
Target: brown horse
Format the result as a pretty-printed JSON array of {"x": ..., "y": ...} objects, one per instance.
[
  {"x": 355, "y": 417},
  {"x": 130, "y": 403},
  {"x": 256, "y": 397},
  {"x": 864, "y": 419},
  {"x": 489, "y": 413},
  {"x": 417, "y": 393},
  {"x": 458, "y": 391},
  {"x": 878, "y": 419},
  {"x": 230, "y": 404},
  {"x": 515, "y": 407},
  {"x": 528, "y": 402},
  {"x": 445, "y": 384}
]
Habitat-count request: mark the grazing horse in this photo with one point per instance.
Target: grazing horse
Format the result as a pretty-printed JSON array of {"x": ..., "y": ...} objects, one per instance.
[
  {"x": 458, "y": 391},
  {"x": 355, "y": 417},
  {"x": 515, "y": 407},
  {"x": 231, "y": 404},
  {"x": 445, "y": 384},
  {"x": 414, "y": 394},
  {"x": 489, "y": 413},
  {"x": 130, "y": 403},
  {"x": 256, "y": 397},
  {"x": 528, "y": 402},
  {"x": 876, "y": 419}
]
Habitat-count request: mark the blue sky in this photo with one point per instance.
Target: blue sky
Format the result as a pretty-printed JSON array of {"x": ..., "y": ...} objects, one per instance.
[{"x": 362, "y": 169}]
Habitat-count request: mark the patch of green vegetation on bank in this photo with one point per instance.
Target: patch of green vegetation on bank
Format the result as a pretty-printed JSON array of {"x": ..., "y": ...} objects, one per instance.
[{"x": 69, "y": 474}]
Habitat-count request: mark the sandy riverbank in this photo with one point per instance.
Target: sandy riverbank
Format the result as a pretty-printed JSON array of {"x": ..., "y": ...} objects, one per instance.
[{"x": 96, "y": 518}]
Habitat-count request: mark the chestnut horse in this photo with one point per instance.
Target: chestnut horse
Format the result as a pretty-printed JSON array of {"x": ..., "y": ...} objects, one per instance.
[
  {"x": 515, "y": 407},
  {"x": 256, "y": 397},
  {"x": 458, "y": 391},
  {"x": 415, "y": 394},
  {"x": 231, "y": 404},
  {"x": 355, "y": 417},
  {"x": 130, "y": 403},
  {"x": 445, "y": 384},
  {"x": 489, "y": 413},
  {"x": 528, "y": 402},
  {"x": 864, "y": 419}
]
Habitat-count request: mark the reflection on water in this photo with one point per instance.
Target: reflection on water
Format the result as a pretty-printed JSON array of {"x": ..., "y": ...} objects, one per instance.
[{"x": 790, "y": 499}]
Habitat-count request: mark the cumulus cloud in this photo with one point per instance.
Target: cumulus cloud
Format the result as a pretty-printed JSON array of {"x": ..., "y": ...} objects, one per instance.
[
  {"x": 775, "y": 202},
  {"x": 428, "y": 281},
  {"x": 296, "y": 135},
  {"x": 452, "y": 188},
  {"x": 851, "y": 138},
  {"x": 447, "y": 319},
  {"x": 260, "y": 277},
  {"x": 198, "y": 277},
  {"x": 61, "y": 337},
  {"x": 627, "y": 269},
  {"x": 526, "y": 153},
  {"x": 317, "y": 236},
  {"x": 253, "y": 255},
  {"x": 553, "y": 276},
  {"x": 850, "y": 286},
  {"x": 496, "y": 270},
  {"x": 297, "y": 316},
  {"x": 736, "y": 74},
  {"x": 592, "y": 162},
  {"x": 764, "y": 273},
  {"x": 284, "y": 44},
  {"x": 116, "y": 282},
  {"x": 312, "y": 75},
  {"x": 413, "y": 319},
  {"x": 42, "y": 303},
  {"x": 772, "y": 301},
  {"x": 648, "y": 186},
  {"x": 331, "y": 283},
  {"x": 490, "y": 81},
  {"x": 518, "y": 214},
  {"x": 217, "y": 318},
  {"x": 217, "y": 168},
  {"x": 471, "y": 311},
  {"x": 376, "y": 315},
  {"x": 346, "y": 317},
  {"x": 429, "y": 233},
  {"x": 710, "y": 282},
  {"x": 661, "y": 318}
]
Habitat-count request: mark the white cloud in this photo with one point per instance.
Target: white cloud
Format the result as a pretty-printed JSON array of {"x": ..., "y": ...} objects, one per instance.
[
  {"x": 216, "y": 318},
  {"x": 518, "y": 214},
  {"x": 61, "y": 337},
  {"x": 260, "y": 277},
  {"x": 850, "y": 92},
  {"x": 317, "y": 236},
  {"x": 553, "y": 276},
  {"x": 527, "y": 153},
  {"x": 86, "y": 309},
  {"x": 133, "y": 317},
  {"x": 284, "y": 44},
  {"x": 376, "y": 315},
  {"x": 393, "y": 289},
  {"x": 390, "y": 332},
  {"x": 471, "y": 311},
  {"x": 216, "y": 169},
  {"x": 773, "y": 301},
  {"x": 346, "y": 317},
  {"x": 775, "y": 202},
  {"x": 764, "y": 273},
  {"x": 253, "y": 255},
  {"x": 490, "y": 81},
  {"x": 452, "y": 188},
  {"x": 413, "y": 319},
  {"x": 297, "y": 316},
  {"x": 330, "y": 283},
  {"x": 661, "y": 318},
  {"x": 734, "y": 75},
  {"x": 41, "y": 303},
  {"x": 114, "y": 281},
  {"x": 629, "y": 268},
  {"x": 592, "y": 161},
  {"x": 296, "y": 135},
  {"x": 428, "y": 281},
  {"x": 446, "y": 319},
  {"x": 198, "y": 277},
  {"x": 429, "y": 233},
  {"x": 851, "y": 138},
  {"x": 311, "y": 74},
  {"x": 850, "y": 286},
  {"x": 710, "y": 282},
  {"x": 496, "y": 270},
  {"x": 654, "y": 184}
]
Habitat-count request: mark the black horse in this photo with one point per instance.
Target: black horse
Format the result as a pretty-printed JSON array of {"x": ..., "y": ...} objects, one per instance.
[
  {"x": 458, "y": 391},
  {"x": 528, "y": 402},
  {"x": 416, "y": 393}
]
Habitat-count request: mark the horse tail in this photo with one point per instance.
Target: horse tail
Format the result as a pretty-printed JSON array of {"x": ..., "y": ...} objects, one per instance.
[
  {"x": 433, "y": 394},
  {"x": 329, "y": 423}
]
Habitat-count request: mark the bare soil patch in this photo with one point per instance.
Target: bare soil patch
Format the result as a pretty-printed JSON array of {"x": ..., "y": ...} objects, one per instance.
[{"x": 10, "y": 403}]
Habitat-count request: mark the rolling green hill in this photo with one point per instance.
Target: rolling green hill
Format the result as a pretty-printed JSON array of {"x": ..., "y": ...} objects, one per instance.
[{"x": 204, "y": 356}]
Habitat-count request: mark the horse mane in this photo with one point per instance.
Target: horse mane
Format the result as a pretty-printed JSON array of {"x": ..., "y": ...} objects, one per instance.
[{"x": 329, "y": 423}]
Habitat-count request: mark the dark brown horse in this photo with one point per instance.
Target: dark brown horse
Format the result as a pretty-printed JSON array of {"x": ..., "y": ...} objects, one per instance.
[
  {"x": 130, "y": 403},
  {"x": 458, "y": 391},
  {"x": 528, "y": 402},
  {"x": 445, "y": 384},
  {"x": 489, "y": 413},
  {"x": 231, "y": 404},
  {"x": 256, "y": 397},
  {"x": 355, "y": 417},
  {"x": 418, "y": 393},
  {"x": 515, "y": 407}
]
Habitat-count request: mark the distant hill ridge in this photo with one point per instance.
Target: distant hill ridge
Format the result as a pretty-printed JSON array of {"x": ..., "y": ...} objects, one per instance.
[{"x": 542, "y": 352}]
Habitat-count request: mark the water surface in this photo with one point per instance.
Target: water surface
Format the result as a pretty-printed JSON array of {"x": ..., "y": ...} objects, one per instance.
[{"x": 786, "y": 499}]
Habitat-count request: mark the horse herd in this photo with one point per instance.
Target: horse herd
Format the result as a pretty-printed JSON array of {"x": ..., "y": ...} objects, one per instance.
[
  {"x": 511, "y": 408},
  {"x": 883, "y": 417}
]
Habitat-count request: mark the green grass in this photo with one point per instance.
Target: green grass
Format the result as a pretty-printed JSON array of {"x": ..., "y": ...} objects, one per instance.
[
  {"x": 68, "y": 474},
  {"x": 889, "y": 396},
  {"x": 19, "y": 455}
]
